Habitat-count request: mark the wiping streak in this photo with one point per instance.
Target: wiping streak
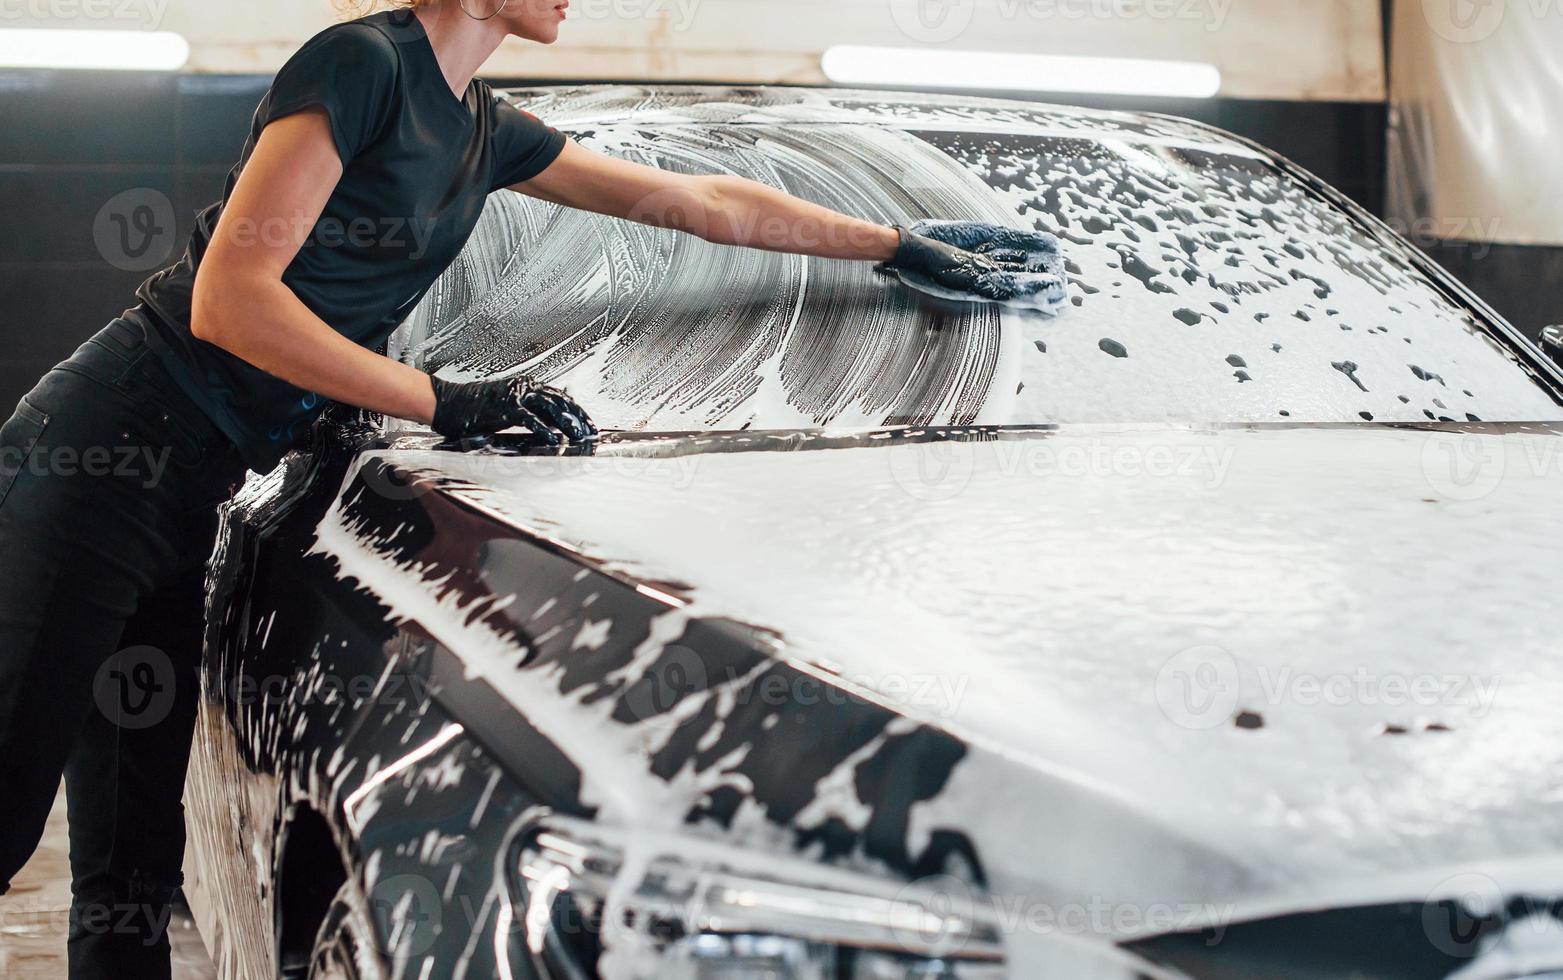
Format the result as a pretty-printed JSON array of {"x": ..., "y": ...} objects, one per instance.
[
  {"x": 374, "y": 782},
  {"x": 659, "y": 330}
]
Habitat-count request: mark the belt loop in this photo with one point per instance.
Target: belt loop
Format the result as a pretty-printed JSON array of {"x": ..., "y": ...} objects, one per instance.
[{"x": 133, "y": 361}]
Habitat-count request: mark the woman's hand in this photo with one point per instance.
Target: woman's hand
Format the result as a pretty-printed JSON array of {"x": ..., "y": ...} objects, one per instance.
[
  {"x": 481, "y": 408},
  {"x": 955, "y": 268},
  {"x": 721, "y": 209}
]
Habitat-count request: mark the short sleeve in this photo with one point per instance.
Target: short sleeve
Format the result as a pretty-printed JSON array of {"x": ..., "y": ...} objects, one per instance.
[
  {"x": 351, "y": 71},
  {"x": 524, "y": 146}
]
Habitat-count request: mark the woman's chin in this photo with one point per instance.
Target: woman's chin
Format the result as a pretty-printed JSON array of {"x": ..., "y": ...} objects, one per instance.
[{"x": 546, "y": 35}]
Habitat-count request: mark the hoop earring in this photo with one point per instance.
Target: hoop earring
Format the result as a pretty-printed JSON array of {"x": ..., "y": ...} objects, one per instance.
[{"x": 463, "y": 5}]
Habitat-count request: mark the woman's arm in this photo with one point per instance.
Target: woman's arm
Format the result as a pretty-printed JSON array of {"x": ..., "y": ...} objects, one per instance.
[
  {"x": 720, "y": 209},
  {"x": 241, "y": 303}
]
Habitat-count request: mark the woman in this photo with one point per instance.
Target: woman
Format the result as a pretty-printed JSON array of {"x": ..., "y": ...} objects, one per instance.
[{"x": 366, "y": 169}]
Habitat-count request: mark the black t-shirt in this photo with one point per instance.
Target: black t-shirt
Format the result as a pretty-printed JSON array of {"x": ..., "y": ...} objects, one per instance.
[{"x": 418, "y": 164}]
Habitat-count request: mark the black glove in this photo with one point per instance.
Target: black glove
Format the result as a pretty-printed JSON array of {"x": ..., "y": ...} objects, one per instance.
[
  {"x": 955, "y": 268},
  {"x": 480, "y": 408}
]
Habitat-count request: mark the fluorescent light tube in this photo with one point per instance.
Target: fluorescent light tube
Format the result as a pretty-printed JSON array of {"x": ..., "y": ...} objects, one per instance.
[
  {"x": 938, "y": 68},
  {"x": 114, "y": 50}
]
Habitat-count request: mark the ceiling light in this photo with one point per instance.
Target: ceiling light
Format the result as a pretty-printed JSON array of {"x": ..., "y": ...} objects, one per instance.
[{"x": 113, "y": 50}]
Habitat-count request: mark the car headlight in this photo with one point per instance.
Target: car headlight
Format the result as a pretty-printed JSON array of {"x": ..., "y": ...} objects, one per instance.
[{"x": 593, "y": 901}]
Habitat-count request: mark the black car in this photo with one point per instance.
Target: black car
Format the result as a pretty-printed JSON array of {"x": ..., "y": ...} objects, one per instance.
[{"x": 1203, "y": 630}]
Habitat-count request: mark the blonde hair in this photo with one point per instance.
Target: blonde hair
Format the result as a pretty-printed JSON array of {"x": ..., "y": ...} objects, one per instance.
[{"x": 360, "y": 8}]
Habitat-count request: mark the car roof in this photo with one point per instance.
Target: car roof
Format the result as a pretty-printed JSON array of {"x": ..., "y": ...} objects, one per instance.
[{"x": 761, "y": 105}]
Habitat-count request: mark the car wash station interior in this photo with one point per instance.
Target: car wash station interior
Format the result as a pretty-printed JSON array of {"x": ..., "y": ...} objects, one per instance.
[{"x": 781, "y": 489}]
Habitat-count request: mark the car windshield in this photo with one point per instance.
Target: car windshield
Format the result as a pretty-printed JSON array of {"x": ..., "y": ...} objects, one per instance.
[{"x": 1208, "y": 287}]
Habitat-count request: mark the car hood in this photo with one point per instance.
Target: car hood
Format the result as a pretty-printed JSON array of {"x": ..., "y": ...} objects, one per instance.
[{"x": 1249, "y": 669}]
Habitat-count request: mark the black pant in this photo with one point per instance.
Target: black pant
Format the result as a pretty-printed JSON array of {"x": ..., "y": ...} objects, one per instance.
[{"x": 109, "y": 483}]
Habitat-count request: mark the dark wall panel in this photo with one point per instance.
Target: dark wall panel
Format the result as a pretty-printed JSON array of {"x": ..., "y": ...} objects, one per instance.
[
  {"x": 95, "y": 167},
  {"x": 60, "y": 205},
  {"x": 1523, "y": 282},
  {"x": 115, "y": 118}
]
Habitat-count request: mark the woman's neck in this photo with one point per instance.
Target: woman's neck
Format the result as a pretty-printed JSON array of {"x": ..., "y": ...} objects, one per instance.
[{"x": 461, "y": 44}]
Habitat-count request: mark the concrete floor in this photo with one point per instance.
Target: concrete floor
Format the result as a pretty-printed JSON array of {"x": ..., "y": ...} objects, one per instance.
[{"x": 34, "y": 916}]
